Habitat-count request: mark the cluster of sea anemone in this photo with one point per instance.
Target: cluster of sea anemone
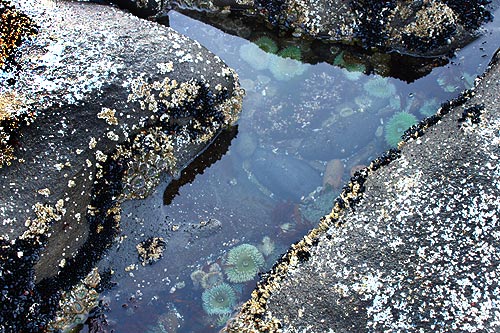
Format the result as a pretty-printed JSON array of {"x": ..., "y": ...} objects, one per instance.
[
  {"x": 243, "y": 262},
  {"x": 397, "y": 125},
  {"x": 379, "y": 87},
  {"x": 263, "y": 53},
  {"x": 353, "y": 70},
  {"x": 207, "y": 279}
]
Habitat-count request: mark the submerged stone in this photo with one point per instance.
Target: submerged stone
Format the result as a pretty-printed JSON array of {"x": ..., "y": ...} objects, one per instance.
[
  {"x": 340, "y": 140},
  {"x": 289, "y": 177}
]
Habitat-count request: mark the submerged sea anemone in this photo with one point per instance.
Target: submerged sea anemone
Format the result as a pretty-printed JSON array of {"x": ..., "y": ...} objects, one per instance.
[
  {"x": 243, "y": 263},
  {"x": 267, "y": 44},
  {"x": 219, "y": 299},
  {"x": 429, "y": 107},
  {"x": 292, "y": 52},
  {"x": 254, "y": 56},
  {"x": 284, "y": 69},
  {"x": 397, "y": 125},
  {"x": 379, "y": 87}
]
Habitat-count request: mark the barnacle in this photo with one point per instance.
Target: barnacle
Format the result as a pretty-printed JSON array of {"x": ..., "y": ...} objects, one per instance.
[{"x": 14, "y": 27}]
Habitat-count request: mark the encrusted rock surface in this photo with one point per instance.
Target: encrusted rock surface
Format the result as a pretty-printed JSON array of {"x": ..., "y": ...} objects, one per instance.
[
  {"x": 101, "y": 107},
  {"x": 430, "y": 27},
  {"x": 412, "y": 243}
]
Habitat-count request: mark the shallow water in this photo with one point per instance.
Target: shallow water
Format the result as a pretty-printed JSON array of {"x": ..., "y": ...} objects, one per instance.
[{"x": 263, "y": 182}]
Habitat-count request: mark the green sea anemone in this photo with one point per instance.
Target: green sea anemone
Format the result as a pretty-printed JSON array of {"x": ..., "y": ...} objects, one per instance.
[
  {"x": 379, "y": 87},
  {"x": 429, "y": 107},
  {"x": 267, "y": 44},
  {"x": 219, "y": 299},
  {"x": 254, "y": 56},
  {"x": 397, "y": 125},
  {"x": 243, "y": 263},
  {"x": 292, "y": 52},
  {"x": 284, "y": 69}
]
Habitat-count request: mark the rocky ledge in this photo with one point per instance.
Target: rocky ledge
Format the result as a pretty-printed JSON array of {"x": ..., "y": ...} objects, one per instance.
[
  {"x": 418, "y": 28},
  {"x": 100, "y": 107},
  {"x": 412, "y": 242}
]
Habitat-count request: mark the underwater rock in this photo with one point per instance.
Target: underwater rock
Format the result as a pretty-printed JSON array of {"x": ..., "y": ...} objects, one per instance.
[
  {"x": 289, "y": 177},
  {"x": 116, "y": 104},
  {"x": 340, "y": 140},
  {"x": 332, "y": 176}
]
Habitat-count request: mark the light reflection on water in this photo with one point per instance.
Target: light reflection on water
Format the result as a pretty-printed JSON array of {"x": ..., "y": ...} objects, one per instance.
[{"x": 298, "y": 123}]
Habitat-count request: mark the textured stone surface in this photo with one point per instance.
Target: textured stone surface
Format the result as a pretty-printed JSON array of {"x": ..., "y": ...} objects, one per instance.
[
  {"x": 411, "y": 245},
  {"x": 427, "y": 28},
  {"x": 106, "y": 106}
]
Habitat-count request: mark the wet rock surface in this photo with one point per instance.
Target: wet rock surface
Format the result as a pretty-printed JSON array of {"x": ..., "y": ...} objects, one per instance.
[
  {"x": 102, "y": 107},
  {"x": 410, "y": 245},
  {"x": 427, "y": 28}
]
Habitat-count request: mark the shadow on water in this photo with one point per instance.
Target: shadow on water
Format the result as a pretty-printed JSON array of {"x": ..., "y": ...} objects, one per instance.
[
  {"x": 262, "y": 185},
  {"x": 212, "y": 154}
]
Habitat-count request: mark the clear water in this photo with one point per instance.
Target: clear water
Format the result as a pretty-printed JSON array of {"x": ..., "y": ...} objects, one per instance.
[{"x": 264, "y": 183}]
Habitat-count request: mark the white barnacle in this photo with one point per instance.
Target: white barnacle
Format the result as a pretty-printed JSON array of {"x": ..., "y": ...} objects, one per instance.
[
  {"x": 112, "y": 136},
  {"x": 92, "y": 143},
  {"x": 100, "y": 156}
]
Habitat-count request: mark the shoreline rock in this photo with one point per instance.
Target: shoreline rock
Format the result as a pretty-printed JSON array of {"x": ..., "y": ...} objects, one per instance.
[
  {"x": 423, "y": 28},
  {"x": 110, "y": 105}
]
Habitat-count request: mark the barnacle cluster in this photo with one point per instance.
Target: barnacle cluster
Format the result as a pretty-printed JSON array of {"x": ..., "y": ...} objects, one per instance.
[
  {"x": 152, "y": 155},
  {"x": 10, "y": 110},
  {"x": 14, "y": 27},
  {"x": 243, "y": 262},
  {"x": 433, "y": 24},
  {"x": 150, "y": 250},
  {"x": 75, "y": 305}
]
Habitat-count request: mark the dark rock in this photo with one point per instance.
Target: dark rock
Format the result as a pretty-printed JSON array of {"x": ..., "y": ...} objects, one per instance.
[
  {"x": 289, "y": 177},
  {"x": 416, "y": 230},
  {"x": 427, "y": 28},
  {"x": 104, "y": 106}
]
